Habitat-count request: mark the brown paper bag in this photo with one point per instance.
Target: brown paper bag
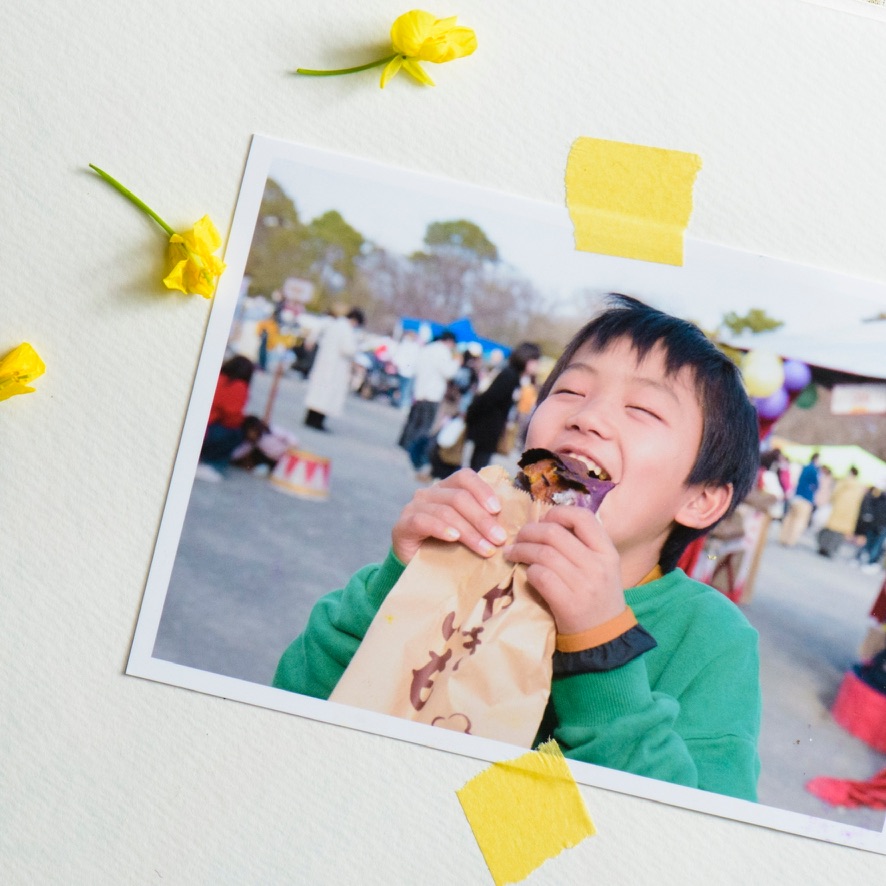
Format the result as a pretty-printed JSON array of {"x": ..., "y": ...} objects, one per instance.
[{"x": 462, "y": 642}]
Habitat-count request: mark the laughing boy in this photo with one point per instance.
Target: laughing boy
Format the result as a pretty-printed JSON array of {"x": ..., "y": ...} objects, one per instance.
[{"x": 654, "y": 674}]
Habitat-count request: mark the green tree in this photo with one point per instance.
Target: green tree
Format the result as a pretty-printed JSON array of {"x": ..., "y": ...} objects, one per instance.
[
  {"x": 328, "y": 258},
  {"x": 277, "y": 209},
  {"x": 276, "y": 243},
  {"x": 756, "y": 320},
  {"x": 460, "y": 236},
  {"x": 323, "y": 251},
  {"x": 334, "y": 244}
]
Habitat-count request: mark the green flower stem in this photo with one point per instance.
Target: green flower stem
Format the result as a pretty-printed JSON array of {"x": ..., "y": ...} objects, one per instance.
[
  {"x": 132, "y": 198},
  {"x": 366, "y": 67}
]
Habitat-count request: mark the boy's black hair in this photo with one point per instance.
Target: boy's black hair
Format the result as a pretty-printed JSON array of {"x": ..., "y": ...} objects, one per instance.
[{"x": 729, "y": 450}]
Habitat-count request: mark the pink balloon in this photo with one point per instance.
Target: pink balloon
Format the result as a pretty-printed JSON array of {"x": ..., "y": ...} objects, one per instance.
[
  {"x": 774, "y": 405},
  {"x": 796, "y": 375}
]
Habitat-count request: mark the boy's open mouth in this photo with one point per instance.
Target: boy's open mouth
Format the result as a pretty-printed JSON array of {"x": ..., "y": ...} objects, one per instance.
[
  {"x": 593, "y": 468},
  {"x": 563, "y": 478}
]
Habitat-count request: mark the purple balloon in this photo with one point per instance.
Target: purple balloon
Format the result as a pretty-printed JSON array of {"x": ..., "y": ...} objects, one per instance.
[
  {"x": 774, "y": 405},
  {"x": 796, "y": 375}
]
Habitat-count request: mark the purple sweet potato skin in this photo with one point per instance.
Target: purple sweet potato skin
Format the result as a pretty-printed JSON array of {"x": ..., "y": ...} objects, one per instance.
[{"x": 575, "y": 485}]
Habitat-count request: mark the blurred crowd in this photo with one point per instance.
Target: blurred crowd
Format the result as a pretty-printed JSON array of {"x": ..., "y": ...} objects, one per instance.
[
  {"x": 845, "y": 514},
  {"x": 459, "y": 404}
]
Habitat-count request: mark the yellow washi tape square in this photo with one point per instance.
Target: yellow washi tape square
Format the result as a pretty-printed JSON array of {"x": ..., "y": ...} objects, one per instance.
[
  {"x": 525, "y": 811},
  {"x": 630, "y": 200}
]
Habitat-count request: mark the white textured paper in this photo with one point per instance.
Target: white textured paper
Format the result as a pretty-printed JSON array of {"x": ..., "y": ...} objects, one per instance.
[{"x": 110, "y": 779}]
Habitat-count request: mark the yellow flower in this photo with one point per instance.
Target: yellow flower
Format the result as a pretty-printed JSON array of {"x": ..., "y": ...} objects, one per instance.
[
  {"x": 17, "y": 368},
  {"x": 417, "y": 36},
  {"x": 194, "y": 267}
]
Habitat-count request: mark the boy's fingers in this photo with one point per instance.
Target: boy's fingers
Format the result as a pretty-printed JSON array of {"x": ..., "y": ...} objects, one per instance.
[
  {"x": 582, "y": 523},
  {"x": 551, "y": 575},
  {"x": 561, "y": 535},
  {"x": 476, "y": 526},
  {"x": 452, "y": 527},
  {"x": 473, "y": 506},
  {"x": 562, "y": 540},
  {"x": 461, "y": 508},
  {"x": 536, "y": 553},
  {"x": 474, "y": 484}
]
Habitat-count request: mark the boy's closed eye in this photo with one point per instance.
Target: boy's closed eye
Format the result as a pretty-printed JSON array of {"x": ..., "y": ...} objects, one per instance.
[
  {"x": 567, "y": 389},
  {"x": 646, "y": 410},
  {"x": 572, "y": 391}
]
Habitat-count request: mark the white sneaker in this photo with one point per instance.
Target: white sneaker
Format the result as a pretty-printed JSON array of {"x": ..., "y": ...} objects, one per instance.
[
  {"x": 208, "y": 473},
  {"x": 870, "y": 568}
]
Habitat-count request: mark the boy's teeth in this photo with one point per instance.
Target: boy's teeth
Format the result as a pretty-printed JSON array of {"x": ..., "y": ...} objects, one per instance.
[{"x": 592, "y": 467}]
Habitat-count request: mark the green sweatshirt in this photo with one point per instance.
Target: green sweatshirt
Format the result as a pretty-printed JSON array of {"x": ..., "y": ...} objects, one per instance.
[{"x": 687, "y": 711}]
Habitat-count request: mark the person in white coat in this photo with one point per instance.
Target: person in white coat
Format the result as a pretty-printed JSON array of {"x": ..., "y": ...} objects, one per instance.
[
  {"x": 437, "y": 363},
  {"x": 331, "y": 373}
]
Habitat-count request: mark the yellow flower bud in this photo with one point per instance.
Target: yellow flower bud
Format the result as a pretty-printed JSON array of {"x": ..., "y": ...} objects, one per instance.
[
  {"x": 194, "y": 267},
  {"x": 419, "y": 36},
  {"x": 17, "y": 368}
]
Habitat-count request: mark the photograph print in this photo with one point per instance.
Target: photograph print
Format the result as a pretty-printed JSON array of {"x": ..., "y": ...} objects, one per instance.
[{"x": 383, "y": 446}]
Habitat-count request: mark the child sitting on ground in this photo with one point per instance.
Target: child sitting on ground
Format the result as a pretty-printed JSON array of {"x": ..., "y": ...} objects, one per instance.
[
  {"x": 263, "y": 446},
  {"x": 654, "y": 673}
]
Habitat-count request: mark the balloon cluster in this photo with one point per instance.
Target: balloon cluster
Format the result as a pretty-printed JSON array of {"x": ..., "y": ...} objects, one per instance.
[{"x": 770, "y": 381}]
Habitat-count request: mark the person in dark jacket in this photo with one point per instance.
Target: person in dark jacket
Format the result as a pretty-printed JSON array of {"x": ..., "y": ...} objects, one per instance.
[
  {"x": 872, "y": 527},
  {"x": 488, "y": 413}
]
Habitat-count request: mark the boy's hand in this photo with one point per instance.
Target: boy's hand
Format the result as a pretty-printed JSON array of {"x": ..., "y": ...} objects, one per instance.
[
  {"x": 574, "y": 565},
  {"x": 460, "y": 508}
]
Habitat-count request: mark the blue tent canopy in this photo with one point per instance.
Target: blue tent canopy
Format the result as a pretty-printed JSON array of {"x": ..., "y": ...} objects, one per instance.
[{"x": 462, "y": 329}]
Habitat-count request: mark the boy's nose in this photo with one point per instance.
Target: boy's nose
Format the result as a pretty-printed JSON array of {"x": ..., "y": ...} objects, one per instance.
[{"x": 593, "y": 416}]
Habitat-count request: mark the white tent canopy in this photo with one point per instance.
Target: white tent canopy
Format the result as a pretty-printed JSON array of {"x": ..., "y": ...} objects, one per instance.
[{"x": 859, "y": 349}]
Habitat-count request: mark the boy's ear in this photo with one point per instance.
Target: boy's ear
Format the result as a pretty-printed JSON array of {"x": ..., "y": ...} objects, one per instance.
[{"x": 704, "y": 506}]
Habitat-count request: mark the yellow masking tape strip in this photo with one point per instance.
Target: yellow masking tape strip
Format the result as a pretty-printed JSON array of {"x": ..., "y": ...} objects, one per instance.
[
  {"x": 525, "y": 811},
  {"x": 630, "y": 200}
]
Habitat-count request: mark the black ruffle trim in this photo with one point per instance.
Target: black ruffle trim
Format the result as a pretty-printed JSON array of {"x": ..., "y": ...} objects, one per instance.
[{"x": 631, "y": 644}]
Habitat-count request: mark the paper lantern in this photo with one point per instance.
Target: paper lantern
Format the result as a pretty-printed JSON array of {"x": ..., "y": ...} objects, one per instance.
[
  {"x": 774, "y": 405},
  {"x": 796, "y": 375},
  {"x": 762, "y": 372}
]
